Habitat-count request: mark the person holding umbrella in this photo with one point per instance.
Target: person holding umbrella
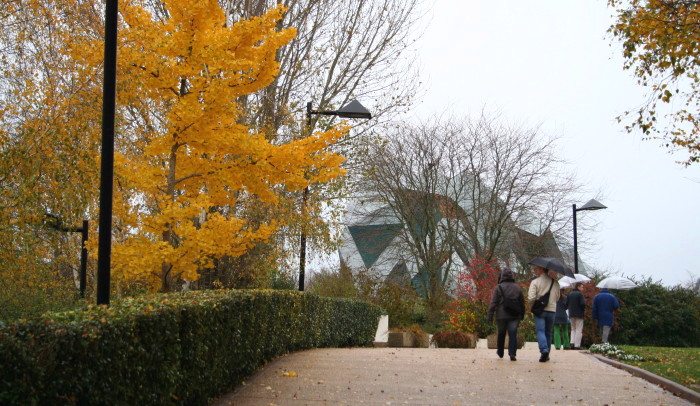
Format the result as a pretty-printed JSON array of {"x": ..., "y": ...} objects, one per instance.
[
  {"x": 604, "y": 304},
  {"x": 545, "y": 284}
]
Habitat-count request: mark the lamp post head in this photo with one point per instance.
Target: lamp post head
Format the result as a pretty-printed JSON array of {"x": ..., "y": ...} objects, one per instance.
[
  {"x": 351, "y": 110},
  {"x": 592, "y": 204},
  {"x": 354, "y": 110}
]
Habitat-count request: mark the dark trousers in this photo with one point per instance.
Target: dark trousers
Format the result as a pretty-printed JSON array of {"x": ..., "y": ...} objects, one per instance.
[{"x": 511, "y": 326}]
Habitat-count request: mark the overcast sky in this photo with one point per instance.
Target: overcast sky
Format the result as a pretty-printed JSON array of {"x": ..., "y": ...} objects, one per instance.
[{"x": 551, "y": 62}]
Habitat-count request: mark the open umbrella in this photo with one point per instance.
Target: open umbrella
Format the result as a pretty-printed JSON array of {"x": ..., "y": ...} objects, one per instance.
[
  {"x": 616, "y": 282},
  {"x": 552, "y": 264},
  {"x": 567, "y": 281}
]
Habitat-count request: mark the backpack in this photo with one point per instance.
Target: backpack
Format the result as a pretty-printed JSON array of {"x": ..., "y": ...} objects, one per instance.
[{"x": 510, "y": 305}]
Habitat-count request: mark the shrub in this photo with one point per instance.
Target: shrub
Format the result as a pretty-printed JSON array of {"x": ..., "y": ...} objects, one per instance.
[
  {"x": 421, "y": 339},
  {"x": 474, "y": 289},
  {"x": 332, "y": 284},
  {"x": 649, "y": 315},
  {"x": 526, "y": 328},
  {"x": 25, "y": 293},
  {"x": 400, "y": 300},
  {"x": 453, "y": 339},
  {"x": 659, "y": 316},
  {"x": 168, "y": 349},
  {"x": 469, "y": 316}
]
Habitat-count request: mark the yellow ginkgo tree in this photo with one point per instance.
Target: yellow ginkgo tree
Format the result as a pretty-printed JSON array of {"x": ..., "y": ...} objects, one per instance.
[
  {"x": 186, "y": 166},
  {"x": 184, "y": 161}
]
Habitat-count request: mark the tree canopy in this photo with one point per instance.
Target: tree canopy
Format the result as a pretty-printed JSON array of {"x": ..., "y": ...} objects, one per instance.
[
  {"x": 185, "y": 164},
  {"x": 660, "y": 42}
]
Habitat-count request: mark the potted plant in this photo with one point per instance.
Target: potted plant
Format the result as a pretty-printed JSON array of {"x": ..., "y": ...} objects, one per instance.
[
  {"x": 491, "y": 341},
  {"x": 453, "y": 339}
]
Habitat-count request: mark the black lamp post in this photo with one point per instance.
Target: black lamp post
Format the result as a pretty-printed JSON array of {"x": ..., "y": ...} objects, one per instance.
[
  {"x": 109, "y": 91},
  {"x": 351, "y": 110},
  {"x": 590, "y": 205}
]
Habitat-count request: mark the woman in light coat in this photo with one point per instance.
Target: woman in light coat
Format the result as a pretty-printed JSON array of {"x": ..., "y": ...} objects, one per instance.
[{"x": 544, "y": 323}]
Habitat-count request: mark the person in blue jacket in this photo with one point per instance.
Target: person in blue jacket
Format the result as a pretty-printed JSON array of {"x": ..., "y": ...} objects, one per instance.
[{"x": 604, "y": 304}]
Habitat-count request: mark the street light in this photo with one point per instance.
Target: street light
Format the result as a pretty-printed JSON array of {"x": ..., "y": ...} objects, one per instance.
[
  {"x": 351, "y": 110},
  {"x": 590, "y": 205},
  {"x": 109, "y": 92}
]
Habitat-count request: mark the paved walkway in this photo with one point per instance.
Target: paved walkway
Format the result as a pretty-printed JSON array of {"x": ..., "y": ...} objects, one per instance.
[{"x": 421, "y": 376}]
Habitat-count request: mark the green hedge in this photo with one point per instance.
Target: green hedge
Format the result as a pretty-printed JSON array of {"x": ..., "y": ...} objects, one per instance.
[
  {"x": 169, "y": 349},
  {"x": 655, "y": 315}
]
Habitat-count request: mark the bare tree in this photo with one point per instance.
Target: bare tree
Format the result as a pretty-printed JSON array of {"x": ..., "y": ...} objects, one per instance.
[
  {"x": 355, "y": 49},
  {"x": 467, "y": 187},
  {"x": 342, "y": 51}
]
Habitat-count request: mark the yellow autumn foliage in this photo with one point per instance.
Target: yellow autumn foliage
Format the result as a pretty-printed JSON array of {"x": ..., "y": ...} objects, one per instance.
[
  {"x": 184, "y": 162},
  {"x": 660, "y": 46}
]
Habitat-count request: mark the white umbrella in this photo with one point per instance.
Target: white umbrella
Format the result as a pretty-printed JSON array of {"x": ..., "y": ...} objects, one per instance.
[
  {"x": 616, "y": 282},
  {"x": 567, "y": 281}
]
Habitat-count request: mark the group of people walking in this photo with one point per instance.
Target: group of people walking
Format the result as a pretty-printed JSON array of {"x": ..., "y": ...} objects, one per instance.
[{"x": 553, "y": 320}]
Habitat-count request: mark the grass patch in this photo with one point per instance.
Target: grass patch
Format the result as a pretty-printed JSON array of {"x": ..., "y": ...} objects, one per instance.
[{"x": 680, "y": 365}]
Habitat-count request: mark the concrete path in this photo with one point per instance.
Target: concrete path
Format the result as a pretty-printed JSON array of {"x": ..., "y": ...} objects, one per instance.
[{"x": 421, "y": 376}]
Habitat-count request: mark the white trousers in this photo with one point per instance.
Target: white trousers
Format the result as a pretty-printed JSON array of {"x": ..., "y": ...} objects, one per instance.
[
  {"x": 576, "y": 331},
  {"x": 606, "y": 332}
]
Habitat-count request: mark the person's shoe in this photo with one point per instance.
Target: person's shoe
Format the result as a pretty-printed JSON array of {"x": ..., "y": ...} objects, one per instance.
[
  {"x": 544, "y": 357},
  {"x": 512, "y": 358},
  {"x": 499, "y": 353},
  {"x": 567, "y": 348}
]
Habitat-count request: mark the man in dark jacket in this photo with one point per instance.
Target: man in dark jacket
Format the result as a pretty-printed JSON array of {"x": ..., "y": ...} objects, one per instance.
[
  {"x": 576, "y": 305},
  {"x": 508, "y": 305},
  {"x": 604, "y": 304}
]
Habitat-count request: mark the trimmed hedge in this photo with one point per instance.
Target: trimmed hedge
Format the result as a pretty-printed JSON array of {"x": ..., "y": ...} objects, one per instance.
[
  {"x": 175, "y": 349},
  {"x": 650, "y": 315},
  {"x": 659, "y": 316}
]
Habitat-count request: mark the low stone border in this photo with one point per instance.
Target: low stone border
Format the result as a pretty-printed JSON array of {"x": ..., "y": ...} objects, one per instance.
[{"x": 673, "y": 387}]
